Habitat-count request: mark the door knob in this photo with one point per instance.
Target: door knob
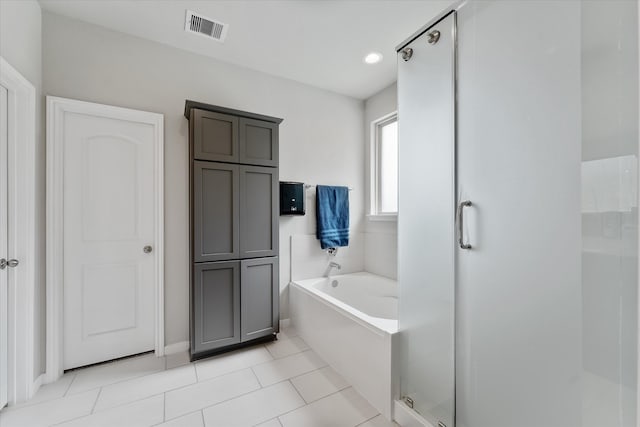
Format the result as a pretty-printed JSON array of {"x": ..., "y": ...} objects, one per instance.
[
  {"x": 8, "y": 263},
  {"x": 147, "y": 249}
]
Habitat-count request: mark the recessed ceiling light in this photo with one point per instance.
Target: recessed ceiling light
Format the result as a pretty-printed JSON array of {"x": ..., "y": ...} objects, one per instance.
[{"x": 373, "y": 58}]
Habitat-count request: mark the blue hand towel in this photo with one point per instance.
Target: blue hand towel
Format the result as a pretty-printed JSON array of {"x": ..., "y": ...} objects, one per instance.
[{"x": 332, "y": 215}]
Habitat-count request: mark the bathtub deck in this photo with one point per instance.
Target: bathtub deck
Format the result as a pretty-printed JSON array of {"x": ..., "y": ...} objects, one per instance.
[{"x": 281, "y": 383}]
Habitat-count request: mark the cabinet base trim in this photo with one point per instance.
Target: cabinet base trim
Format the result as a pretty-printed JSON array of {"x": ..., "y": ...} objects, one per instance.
[{"x": 205, "y": 354}]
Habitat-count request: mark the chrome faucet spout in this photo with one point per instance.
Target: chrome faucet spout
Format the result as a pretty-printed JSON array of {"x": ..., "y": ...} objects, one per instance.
[{"x": 330, "y": 267}]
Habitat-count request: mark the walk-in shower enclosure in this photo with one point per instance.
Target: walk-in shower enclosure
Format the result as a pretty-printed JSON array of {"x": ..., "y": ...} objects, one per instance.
[{"x": 518, "y": 215}]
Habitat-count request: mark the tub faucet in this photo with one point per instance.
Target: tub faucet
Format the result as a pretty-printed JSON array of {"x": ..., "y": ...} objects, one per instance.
[{"x": 331, "y": 266}]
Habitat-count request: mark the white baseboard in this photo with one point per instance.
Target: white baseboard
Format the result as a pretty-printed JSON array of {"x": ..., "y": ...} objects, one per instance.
[
  {"x": 285, "y": 323},
  {"x": 177, "y": 347},
  {"x": 407, "y": 417},
  {"x": 36, "y": 385}
]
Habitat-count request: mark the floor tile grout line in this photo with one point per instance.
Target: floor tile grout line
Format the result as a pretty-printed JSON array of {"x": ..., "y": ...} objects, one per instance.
[
  {"x": 164, "y": 406},
  {"x": 137, "y": 378},
  {"x": 220, "y": 402},
  {"x": 308, "y": 404},
  {"x": 288, "y": 412},
  {"x": 298, "y": 391},
  {"x": 101, "y": 412},
  {"x": 116, "y": 382},
  {"x": 29, "y": 403},
  {"x": 236, "y": 397},
  {"x": 202, "y": 415},
  {"x": 93, "y": 408},
  {"x": 80, "y": 416},
  {"x": 366, "y": 421},
  {"x": 191, "y": 384},
  {"x": 145, "y": 397},
  {"x": 294, "y": 376},
  {"x": 256, "y": 377},
  {"x": 69, "y": 386}
]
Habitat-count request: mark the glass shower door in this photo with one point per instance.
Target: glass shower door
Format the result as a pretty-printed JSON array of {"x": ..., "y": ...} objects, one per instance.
[
  {"x": 426, "y": 224},
  {"x": 609, "y": 212},
  {"x": 519, "y": 296}
]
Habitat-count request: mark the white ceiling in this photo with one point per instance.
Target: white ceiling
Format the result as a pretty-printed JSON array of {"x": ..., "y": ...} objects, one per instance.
[{"x": 318, "y": 42}]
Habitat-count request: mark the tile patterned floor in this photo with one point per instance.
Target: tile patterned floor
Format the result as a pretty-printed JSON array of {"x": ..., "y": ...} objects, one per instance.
[{"x": 279, "y": 384}]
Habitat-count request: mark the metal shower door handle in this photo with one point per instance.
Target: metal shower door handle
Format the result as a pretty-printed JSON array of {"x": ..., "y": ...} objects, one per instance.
[{"x": 460, "y": 220}]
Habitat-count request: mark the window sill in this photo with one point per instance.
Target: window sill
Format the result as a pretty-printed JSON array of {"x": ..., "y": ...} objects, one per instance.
[{"x": 383, "y": 217}]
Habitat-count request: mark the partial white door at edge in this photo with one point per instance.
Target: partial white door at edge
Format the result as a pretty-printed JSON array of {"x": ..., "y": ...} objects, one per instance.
[
  {"x": 4, "y": 245},
  {"x": 109, "y": 302}
]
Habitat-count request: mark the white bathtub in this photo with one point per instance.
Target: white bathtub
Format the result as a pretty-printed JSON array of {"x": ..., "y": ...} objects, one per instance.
[{"x": 351, "y": 321}]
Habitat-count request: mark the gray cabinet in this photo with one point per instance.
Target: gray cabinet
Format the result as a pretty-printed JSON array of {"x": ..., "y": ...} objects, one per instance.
[
  {"x": 233, "y": 185},
  {"x": 258, "y": 211},
  {"x": 259, "y": 297},
  {"x": 228, "y": 138},
  {"x": 216, "y": 210},
  {"x": 234, "y": 211},
  {"x": 215, "y": 136},
  {"x": 258, "y": 142},
  {"x": 215, "y": 305}
]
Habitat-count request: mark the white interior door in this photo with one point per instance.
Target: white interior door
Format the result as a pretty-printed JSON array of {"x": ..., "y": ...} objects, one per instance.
[
  {"x": 4, "y": 231},
  {"x": 109, "y": 223}
]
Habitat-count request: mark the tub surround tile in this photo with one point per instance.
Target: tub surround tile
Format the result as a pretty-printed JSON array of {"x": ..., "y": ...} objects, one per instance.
[
  {"x": 143, "y": 387},
  {"x": 343, "y": 409},
  {"x": 110, "y": 373},
  {"x": 51, "y": 412},
  {"x": 146, "y": 412},
  {"x": 193, "y": 419},
  {"x": 209, "y": 392},
  {"x": 230, "y": 362},
  {"x": 287, "y": 367},
  {"x": 286, "y": 347},
  {"x": 254, "y": 408},
  {"x": 381, "y": 254},
  {"x": 318, "y": 384}
]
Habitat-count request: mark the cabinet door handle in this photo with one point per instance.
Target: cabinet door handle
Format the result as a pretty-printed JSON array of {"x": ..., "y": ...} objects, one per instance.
[
  {"x": 4, "y": 263},
  {"x": 460, "y": 220}
]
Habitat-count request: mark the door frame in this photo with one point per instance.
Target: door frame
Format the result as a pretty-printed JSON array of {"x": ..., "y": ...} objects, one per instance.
[
  {"x": 22, "y": 196},
  {"x": 56, "y": 109}
]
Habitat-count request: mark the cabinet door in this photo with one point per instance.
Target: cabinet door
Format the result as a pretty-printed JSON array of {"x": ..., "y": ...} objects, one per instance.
[
  {"x": 215, "y": 302},
  {"x": 215, "y": 136},
  {"x": 258, "y": 142},
  {"x": 216, "y": 222},
  {"x": 258, "y": 211},
  {"x": 260, "y": 296}
]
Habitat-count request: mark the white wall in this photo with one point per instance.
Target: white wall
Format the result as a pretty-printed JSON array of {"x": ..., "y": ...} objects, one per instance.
[
  {"x": 381, "y": 237},
  {"x": 20, "y": 45},
  {"x": 320, "y": 138}
]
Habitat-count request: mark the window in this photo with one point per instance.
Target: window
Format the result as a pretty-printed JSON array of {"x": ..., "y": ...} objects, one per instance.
[{"x": 384, "y": 168}]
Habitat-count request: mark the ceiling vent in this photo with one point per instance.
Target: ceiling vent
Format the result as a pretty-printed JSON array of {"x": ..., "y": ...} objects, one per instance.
[{"x": 205, "y": 26}]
